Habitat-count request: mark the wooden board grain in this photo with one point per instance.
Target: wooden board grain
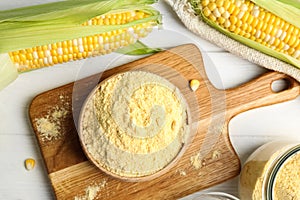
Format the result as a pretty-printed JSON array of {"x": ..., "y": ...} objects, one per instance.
[{"x": 71, "y": 173}]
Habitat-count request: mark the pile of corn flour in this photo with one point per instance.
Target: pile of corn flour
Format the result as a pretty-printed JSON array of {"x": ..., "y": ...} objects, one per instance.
[{"x": 134, "y": 124}]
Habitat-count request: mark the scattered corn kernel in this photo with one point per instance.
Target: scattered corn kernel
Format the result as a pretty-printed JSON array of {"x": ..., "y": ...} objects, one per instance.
[
  {"x": 194, "y": 84},
  {"x": 29, "y": 163}
]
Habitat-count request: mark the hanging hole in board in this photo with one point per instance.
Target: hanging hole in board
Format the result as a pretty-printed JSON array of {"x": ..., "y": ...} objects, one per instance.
[{"x": 280, "y": 85}]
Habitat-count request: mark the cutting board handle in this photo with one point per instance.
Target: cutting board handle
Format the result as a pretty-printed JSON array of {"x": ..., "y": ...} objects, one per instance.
[{"x": 258, "y": 93}]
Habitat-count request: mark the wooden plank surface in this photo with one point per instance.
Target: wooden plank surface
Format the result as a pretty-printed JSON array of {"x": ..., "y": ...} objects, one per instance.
[{"x": 71, "y": 173}]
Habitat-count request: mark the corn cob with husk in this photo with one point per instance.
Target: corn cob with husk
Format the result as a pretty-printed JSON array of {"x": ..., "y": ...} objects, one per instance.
[
  {"x": 271, "y": 27},
  {"x": 264, "y": 32},
  {"x": 48, "y": 34}
]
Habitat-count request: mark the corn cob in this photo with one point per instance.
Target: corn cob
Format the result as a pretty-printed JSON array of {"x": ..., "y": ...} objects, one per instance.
[
  {"x": 99, "y": 44},
  {"x": 252, "y": 25},
  {"x": 47, "y": 34}
]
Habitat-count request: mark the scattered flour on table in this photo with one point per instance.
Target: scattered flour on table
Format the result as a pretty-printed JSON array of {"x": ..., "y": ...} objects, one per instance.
[
  {"x": 49, "y": 126},
  {"x": 91, "y": 191}
]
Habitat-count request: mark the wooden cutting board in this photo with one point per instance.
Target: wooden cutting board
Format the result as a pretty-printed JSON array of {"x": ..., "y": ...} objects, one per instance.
[{"x": 71, "y": 173}]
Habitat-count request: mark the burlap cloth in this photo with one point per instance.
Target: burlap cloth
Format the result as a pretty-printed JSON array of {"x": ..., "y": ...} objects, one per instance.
[{"x": 196, "y": 25}]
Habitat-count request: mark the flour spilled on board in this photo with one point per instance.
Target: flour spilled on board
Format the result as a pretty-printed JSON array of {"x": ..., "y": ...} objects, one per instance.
[
  {"x": 91, "y": 191},
  {"x": 49, "y": 126},
  {"x": 181, "y": 172},
  {"x": 216, "y": 154},
  {"x": 197, "y": 161}
]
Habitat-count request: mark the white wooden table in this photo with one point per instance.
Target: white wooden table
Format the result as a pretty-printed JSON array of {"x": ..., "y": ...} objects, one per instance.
[{"x": 17, "y": 141}]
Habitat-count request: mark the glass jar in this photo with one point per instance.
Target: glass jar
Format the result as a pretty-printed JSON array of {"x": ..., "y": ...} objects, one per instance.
[{"x": 272, "y": 172}]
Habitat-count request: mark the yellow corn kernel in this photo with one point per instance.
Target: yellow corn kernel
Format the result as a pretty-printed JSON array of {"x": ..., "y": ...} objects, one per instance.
[
  {"x": 245, "y": 17},
  {"x": 296, "y": 31},
  {"x": 227, "y": 23},
  {"x": 205, "y": 2},
  {"x": 254, "y": 22},
  {"x": 236, "y": 11},
  {"x": 247, "y": 35},
  {"x": 274, "y": 31},
  {"x": 212, "y": 17},
  {"x": 237, "y": 30},
  {"x": 285, "y": 26},
  {"x": 226, "y": 4},
  {"x": 252, "y": 37},
  {"x": 290, "y": 30},
  {"x": 232, "y": 28},
  {"x": 292, "y": 40},
  {"x": 272, "y": 19},
  {"x": 221, "y": 20},
  {"x": 264, "y": 28},
  {"x": 16, "y": 58},
  {"x": 242, "y": 33},
  {"x": 194, "y": 84},
  {"x": 249, "y": 29},
  {"x": 267, "y": 17},
  {"x": 60, "y": 59},
  {"x": 221, "y": 10},
  {"x": 36, "y": 62},
  {"x": 23, "y": 57},
  {"x": 277, "y": 21},
  {"x": 29, "y": 163},
  {"x": 244, "y": 26},
  {"x": 276, "y": 42},
  {"x": 211, "y": 6},
  {"x": 233, "y": 19},
  {"x": 231, "y": 8},
  {"x": 280, "y": 45},
  {"x": 29, "y": 56},
  {"x": 206, "y": 11},
  {"x": 291, "y": 51},
  {"x": 250, "y": 19},
  {"x": 287, "y": 38},
  {"x": 261, "y": 15},
  {"x": 219, "y": 3},
  {"x": 259, "y": 25},
  {"x": 253, "y": 32}
]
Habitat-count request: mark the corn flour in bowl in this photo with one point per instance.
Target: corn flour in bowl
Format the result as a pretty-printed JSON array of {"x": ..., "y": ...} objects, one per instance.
[{"x": 134, "y": 125}]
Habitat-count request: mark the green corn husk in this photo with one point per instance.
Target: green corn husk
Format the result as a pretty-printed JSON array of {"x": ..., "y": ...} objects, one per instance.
[
  {"x": 138, "y": 48},
  {"x": 8, "y": 71},
  {"x": 49, "y": 23},
  {"x": 288, "y": 11}
]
